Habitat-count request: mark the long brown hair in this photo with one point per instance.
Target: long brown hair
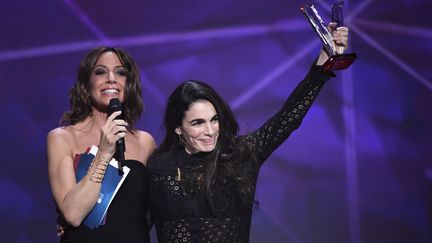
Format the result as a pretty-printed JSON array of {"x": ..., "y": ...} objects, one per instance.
[{"x": 80, "y": 94}]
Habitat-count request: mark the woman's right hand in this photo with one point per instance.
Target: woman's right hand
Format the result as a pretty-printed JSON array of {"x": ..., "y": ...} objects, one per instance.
[
  {"x": 75, "y": 199},
  {"x": 111, "y": 131}
]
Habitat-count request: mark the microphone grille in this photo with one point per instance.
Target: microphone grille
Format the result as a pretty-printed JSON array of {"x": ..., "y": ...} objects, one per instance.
[{"x": 114, "y": 105}]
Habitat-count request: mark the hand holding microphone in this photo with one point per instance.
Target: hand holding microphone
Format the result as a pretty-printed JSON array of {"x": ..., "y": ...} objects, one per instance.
[{"x": 114, "y": 106}]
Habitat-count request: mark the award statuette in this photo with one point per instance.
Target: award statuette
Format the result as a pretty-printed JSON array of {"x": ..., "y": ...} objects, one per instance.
[{"x": 337, "y": 60}]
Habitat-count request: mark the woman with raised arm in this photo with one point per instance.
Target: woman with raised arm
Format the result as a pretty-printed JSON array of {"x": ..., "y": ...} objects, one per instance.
[{"x": 203, "y": 176}]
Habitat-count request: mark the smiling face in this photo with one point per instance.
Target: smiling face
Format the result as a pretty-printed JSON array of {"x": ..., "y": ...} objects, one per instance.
[
  {"x": 108, "y": 79},
  {"x": 200, "y": 127}
]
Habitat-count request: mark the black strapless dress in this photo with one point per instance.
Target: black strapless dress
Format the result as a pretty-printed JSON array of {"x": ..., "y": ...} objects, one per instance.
[{"x": 126, "y": 219}]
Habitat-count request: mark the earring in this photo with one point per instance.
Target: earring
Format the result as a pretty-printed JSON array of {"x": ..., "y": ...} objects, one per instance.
[{"x": 182, "y": 141}]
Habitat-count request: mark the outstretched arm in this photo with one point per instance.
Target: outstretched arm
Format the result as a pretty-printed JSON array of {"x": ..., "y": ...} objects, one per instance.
[{"x": 278, "y": 128}]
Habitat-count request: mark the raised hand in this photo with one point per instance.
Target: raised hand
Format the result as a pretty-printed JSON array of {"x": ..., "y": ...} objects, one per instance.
[
  {"x": 111, "y": 131},
  {"x": 340, "y": 41}
]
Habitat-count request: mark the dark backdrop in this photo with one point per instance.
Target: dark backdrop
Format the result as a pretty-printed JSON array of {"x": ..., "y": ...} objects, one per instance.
[{"x": 358, "y": 170}]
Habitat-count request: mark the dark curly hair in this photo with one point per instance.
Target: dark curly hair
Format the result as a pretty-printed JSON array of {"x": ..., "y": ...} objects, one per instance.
[{"x": 80, "y": 94}]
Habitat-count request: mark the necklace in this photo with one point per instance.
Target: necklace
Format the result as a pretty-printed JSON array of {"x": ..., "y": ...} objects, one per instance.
[{"x": 178, "y": 177}]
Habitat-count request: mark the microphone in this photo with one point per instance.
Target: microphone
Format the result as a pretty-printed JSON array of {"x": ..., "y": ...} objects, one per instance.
[{"x": 115, "y": 105}]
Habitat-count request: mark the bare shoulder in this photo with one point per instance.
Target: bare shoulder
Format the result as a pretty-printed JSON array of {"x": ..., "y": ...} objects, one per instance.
[
  {"x": 146, "y": 140},
  {"x": 144, "y": 136},
  {"x": 59, "y": 142},
  {"x": 59, "y": 135},
  {"x": 146, "y": 144}
]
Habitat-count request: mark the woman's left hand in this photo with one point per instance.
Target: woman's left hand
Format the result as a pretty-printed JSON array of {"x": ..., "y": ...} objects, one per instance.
[{"x": 340, "y": 42}]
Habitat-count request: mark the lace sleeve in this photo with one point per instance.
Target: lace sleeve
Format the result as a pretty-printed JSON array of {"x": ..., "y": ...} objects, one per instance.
[{"x": 277, "y": 129}]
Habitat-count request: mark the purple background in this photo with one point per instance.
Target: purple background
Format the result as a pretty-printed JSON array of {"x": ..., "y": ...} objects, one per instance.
[{"x": 358, "y": 170}]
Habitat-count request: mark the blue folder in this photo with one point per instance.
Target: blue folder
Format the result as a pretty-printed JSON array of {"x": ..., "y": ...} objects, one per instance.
[{"x": 110, "y": 185}]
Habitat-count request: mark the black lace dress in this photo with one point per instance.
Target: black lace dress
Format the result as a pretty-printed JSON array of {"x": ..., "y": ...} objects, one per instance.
[
  {"x": 126, "y": 219},
  {"x": 179, "y": 205}
]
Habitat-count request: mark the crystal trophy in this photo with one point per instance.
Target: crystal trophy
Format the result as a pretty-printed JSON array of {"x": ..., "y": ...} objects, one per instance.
[{"x": 337, "y": 59}]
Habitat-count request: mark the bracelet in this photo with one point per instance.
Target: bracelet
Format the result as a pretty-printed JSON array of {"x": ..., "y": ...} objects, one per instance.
[{"x": 98, "y": 171}]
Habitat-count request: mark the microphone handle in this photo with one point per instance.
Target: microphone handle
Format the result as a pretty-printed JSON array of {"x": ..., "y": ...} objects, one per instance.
[{"x": 120, "y": 150}]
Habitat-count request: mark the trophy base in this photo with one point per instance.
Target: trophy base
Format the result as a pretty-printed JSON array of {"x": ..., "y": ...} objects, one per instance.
[{"x": 339, "y": 61}]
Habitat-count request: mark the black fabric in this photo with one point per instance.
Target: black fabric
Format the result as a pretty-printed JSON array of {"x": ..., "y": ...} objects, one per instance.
[
  {"x": 180, "y": 207},
  {"x": 126, "y": 219}
]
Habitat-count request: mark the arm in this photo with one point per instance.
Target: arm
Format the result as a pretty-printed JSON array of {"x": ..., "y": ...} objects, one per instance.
[
  {"x": 278, "y": 128},
  {"x": 147, "y": 145},
  {"x": 75, "y": 200}
]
